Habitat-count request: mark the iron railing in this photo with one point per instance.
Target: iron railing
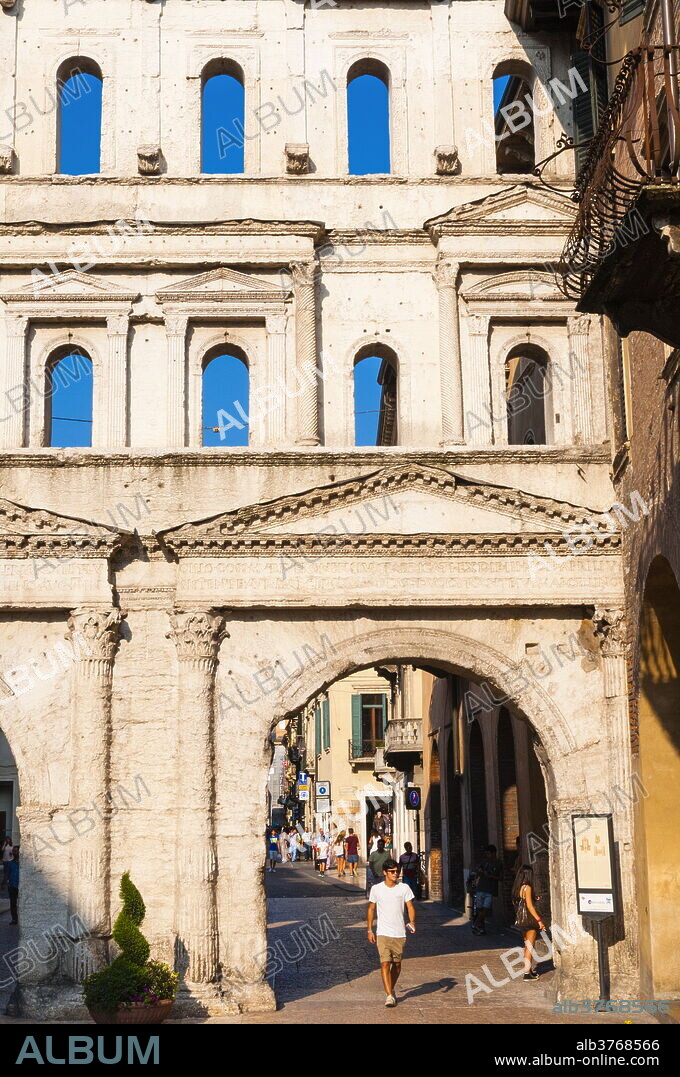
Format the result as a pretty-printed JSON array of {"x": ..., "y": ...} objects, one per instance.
[
  {"x": 363, "y": 750},
  {"x": 637, "y": 143}
]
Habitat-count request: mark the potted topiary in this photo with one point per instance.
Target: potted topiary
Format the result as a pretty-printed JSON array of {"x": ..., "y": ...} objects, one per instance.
[{"x": 131, "y": 990}]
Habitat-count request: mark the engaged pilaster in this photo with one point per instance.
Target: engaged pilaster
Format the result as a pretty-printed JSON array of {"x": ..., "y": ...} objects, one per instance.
[
  {"x": 451, "y": 376},
  {"x": 94, "y": 637},
  {"x": 578, "y": 330},
  {"x": 13, "y": 391},
  {"x": 276, "y": 346},
  {"x": 304, "y": 286},
  {"x": 113, "y": 398},
  {"x": 478, "y": 423},
  {"x": 176, "y": 332},
  {"x": 197, "y": 635}
]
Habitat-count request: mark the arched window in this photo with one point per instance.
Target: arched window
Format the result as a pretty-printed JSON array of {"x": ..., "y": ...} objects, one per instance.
[
  {"x": 68, "y": 399},
  {"x": 79, "y": 117},
  {"x": 222, "y": 118},
  {"x": 368, "y": 118},
  {"x": 375, "y": 396},
  {"x": 226, "y": 391},
  {"x": 527, "y": 391},
  {"x": 513, "y": 120}
]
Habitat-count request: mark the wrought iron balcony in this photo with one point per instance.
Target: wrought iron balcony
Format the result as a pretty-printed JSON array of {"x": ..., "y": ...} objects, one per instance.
[
  {"x": 403, "y": 735},
  {"x": 363, "y": 751},
  {"x": 619, "y": 258}
]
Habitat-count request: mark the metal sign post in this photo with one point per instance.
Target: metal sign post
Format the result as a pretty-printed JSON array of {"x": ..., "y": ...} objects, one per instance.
[{"x": 593, "y": 838}]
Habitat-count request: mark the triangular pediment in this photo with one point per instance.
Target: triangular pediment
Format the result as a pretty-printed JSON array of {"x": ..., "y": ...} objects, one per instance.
[
  {"x": 222, "y": 284},
  {"x": 69, "y": 285},
  {"x": 408, "y": 500},
  {"x": 539, "y": 210},
  {"x": 25, "y": 530}
]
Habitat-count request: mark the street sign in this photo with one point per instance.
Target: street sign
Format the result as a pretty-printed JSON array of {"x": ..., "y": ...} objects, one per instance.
[
  {"x": 302, "y": 778},
  {"x": 303, "y": 794},
  {"x": 413, "y": 798},
  {"x": 323, "y": 804},
  {"x": 323, "y": 789},
  {"x": 593, "y": 857}
]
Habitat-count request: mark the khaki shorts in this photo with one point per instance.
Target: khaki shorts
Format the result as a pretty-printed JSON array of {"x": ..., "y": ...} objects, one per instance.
[{"x": 390, "y": 949}]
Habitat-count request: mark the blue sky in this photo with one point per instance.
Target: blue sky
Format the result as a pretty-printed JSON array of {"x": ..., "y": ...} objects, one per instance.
[{"x": 226, "y": 379}]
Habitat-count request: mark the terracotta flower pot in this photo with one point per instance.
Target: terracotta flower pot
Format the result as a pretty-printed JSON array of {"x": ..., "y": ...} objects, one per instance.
[{"x": 136, "y": 1014}]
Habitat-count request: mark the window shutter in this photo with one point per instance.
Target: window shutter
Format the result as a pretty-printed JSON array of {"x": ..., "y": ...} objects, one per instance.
[
  {"x": 582, "y": 108},
  {"x": 356, "y": 727},
  {"x": 317, "y": 731},
  {"x": 384, "y": 715},
  {"x": 630, "y": 10},
  {"x": 325, "y": 711}
]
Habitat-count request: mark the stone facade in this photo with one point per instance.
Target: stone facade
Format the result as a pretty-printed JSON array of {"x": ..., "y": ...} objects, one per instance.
[{"x": 205, "y": 594}]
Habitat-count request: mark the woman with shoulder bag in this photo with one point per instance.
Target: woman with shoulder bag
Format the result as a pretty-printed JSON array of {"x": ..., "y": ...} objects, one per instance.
[{"x": 527, "y": 918}]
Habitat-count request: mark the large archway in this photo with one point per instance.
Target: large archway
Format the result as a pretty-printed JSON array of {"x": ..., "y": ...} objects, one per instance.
[{"x": 658, "y": 807}]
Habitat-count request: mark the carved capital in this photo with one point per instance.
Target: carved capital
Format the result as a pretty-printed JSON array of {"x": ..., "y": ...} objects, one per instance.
[
  {"x": 176, "y": 324},
  {"x": 94, "y": 634},
  {"x": 579, "y": 325},
  {"x": 609, "y": 626},
  {"x": 7, "y": 157},
  {"x": 149, "y": 160},
  {"x": 446, "y": 274},
  {"x": 297, "y": 158},
  {"x": 446, "y": 160},
  {"x": 304, "y": 274},
  {"x": 478, "y": 325},
  {"x": 117, "y": 325},
  {"x": 276, "y": 324},
  {"x": 15, "y": 327},
  {"x": 197, "y": 634}
]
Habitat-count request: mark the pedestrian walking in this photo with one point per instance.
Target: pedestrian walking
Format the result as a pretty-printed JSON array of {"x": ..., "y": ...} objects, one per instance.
[
  {"x": 352, "y": 852},
  {"x": 374, "y": 868},
  {"x": 409, "y": 863},
  {"x": 293, "y": 844},
  {"x": 380, "y": 824},
  {"x": 339, "y": 850},
  {"x": 373, "y": 840},
  {"x": 7, "y": 857},
  {"x": 388, "y": 899},
  {"x": 322, "y": 851},
  {"x": 272, "y": 849},
  {"x": 489, "y": 874},
  {"x": 283, "y": 846},
  {"x": 307, "y": 843},
  {"x": 13, "y": 886},
  {"x": 527, "y": 917}
]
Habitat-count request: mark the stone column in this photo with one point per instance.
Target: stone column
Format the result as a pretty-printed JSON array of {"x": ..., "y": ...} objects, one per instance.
[
  {"x": 304, "y": 286},
  {"x": 478, "y": 420},
  {"x": 275, "y": 426},
  {"x": 610, "y": 629},
  {"x": 94, "y": 636},
  {"x": 451, "y": 374},
  {"x": 14, "y": 399},
  {"x": 109, "y": 426},
  {"x": 578, "y": 329},
  {"x": 197, "y": 635},
  {"x": 176, "y": 332}
]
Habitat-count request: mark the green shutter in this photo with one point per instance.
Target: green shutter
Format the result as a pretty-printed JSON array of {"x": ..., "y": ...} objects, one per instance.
[
  {"x": 582, "y": 108},
  {"x": 384, "y": 716},
  {"x": 317, "y": 731},
  {"x": 630, "y": 10},
  {"x": 356, "y": 727},
  {"x": 325, "y": 711}
]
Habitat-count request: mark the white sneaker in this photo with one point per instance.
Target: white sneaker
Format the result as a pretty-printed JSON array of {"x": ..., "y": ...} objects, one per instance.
[{"x": 390, "y": 1001}]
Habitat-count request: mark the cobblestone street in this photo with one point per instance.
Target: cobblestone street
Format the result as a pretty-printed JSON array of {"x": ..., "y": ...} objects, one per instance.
[{"x": 338, "y": 982}]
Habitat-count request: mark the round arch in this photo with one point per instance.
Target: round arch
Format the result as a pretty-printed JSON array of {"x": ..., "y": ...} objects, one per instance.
[{"x": 453, "y": 653}]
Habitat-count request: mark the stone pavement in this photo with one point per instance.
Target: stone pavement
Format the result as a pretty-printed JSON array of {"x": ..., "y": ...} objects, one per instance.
[{"x": 326, "y": 972}]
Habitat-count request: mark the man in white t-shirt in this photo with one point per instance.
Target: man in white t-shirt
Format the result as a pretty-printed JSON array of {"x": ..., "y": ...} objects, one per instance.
[
  {"x": 388, "y": 899},
  {"x": 322, "y": 847}
]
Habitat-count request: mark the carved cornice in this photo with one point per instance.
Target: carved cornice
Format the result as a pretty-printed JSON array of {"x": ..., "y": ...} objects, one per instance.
[
  {"x": 32, "y": 532},
  {"x": 422, "y": 545},
  {"x": 307, "y": 229},
  {"x": 479, "y": 217}
]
